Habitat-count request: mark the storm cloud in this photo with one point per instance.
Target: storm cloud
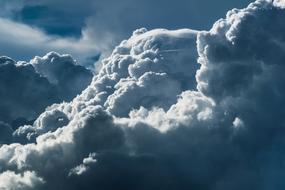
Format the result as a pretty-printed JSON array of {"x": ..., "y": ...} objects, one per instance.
[
  {"x": 178, "y": 109},
  {"x": 28, "y": 88}
]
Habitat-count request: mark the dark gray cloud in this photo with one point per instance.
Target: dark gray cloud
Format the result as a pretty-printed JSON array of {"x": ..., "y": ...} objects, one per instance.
[
  {"x": 28, "y": 88},
  {"x": 226, "y": 134},
  {"x": 64, "y": 72}
]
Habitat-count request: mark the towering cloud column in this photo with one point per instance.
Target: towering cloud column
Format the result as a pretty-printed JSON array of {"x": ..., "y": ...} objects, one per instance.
[{"x": 145, "y": 122}]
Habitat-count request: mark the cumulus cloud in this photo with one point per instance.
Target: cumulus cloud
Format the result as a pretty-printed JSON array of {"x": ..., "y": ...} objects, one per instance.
[
  {"x": 63, "y": 71},
  {"x": 12, "y": 181},
  {"x": 28, "y": 88},
  {"x": 145, "y": 122},
  {"x": 82, "y": 168},
  {"x": 130, "y": 77},
  {"x": 148, "y": 61}
]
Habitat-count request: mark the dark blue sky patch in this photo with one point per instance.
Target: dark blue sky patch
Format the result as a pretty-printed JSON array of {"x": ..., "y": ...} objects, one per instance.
[
  {"x": 52, "y": 21},
  {"x": 122, "y": 17}
]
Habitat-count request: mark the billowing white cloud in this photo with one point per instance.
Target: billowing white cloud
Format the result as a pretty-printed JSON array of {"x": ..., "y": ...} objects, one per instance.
[
  {"x": 12, "y": 181},
  {"x": 279, "y": 3},
  {"x": 130, "y": 77},
  {"x": 145, "y": 122}
]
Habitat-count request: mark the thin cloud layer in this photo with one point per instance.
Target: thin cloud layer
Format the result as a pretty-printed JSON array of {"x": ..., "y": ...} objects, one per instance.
[
  {"x": 147, "y": 121},
  {"x": 22, "y": 41}
]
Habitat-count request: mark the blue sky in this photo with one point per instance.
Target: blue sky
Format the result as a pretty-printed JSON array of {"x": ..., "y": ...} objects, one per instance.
[{"x": 89, "y": 28}]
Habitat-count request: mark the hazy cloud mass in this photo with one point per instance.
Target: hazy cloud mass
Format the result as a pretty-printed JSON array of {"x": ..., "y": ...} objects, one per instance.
[{"x": 167, "y": 109}]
